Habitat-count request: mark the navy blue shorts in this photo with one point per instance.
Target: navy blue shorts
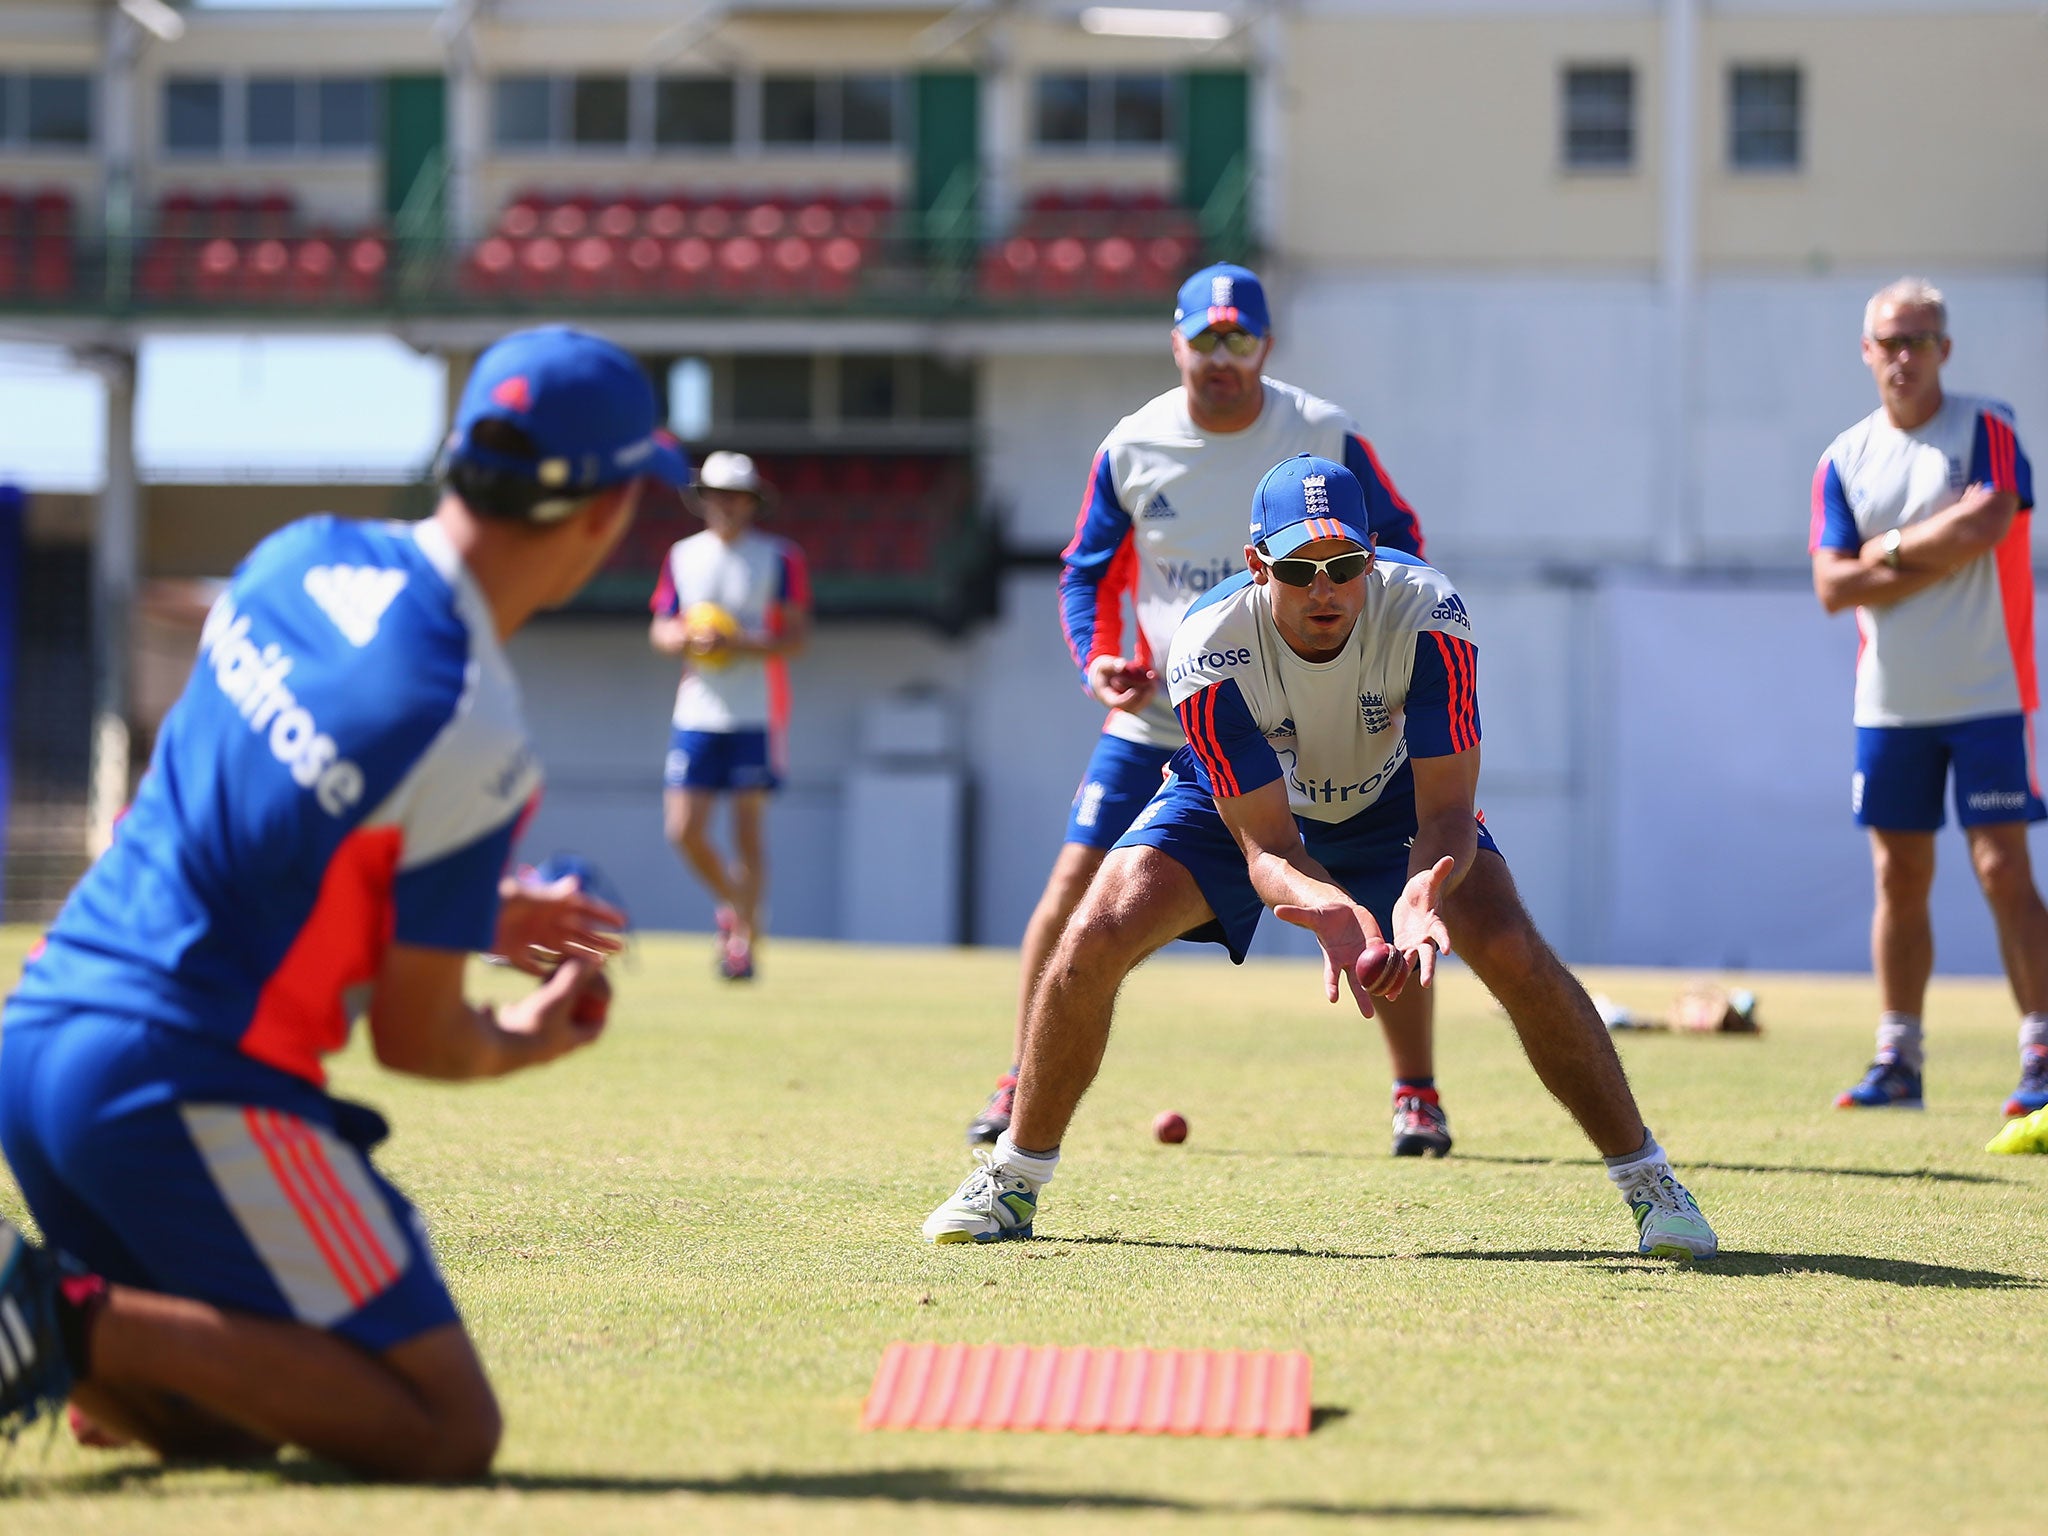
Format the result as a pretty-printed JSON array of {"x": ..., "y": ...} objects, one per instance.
[
  {"x": 1367, "y": 855},
  {"x": 162, "y": 1161},
  {"x": 1121, "y": 777},
  {"x": 1901, "y": 771},
  {"x": 718, "y": 760}
]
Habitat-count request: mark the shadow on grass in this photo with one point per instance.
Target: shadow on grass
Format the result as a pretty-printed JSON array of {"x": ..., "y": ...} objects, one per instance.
[
  {"x": 1901, "y": 1272},
  {"x": 897, "y": 1485},
  {"x": 1934, "y": 1175}
]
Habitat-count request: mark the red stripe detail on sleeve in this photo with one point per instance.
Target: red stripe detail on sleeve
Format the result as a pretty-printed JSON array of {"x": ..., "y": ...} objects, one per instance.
[
  {"x": 2004, "y": 471},
  {"x": 1120, "y": 577},
  {"x": 1458, "y": 673},
  {"x": 1393, "y": 492},
  {"x": 1198, "y": 720},
  {"x": 1815, "y": 528}
]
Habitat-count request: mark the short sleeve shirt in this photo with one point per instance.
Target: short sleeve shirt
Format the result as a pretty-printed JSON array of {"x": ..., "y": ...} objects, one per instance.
[
  {"x": 757, "y": 579},
  {"x": 1964, "y": 647},
  {"x": 1338, "y": 731}
]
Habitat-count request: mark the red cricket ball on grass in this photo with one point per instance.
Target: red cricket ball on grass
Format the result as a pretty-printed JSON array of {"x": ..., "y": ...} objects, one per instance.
[{"x": 1170, "y": 1127}]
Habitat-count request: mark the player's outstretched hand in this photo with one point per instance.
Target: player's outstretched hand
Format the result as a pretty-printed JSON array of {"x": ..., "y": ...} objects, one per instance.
[
  {"x": 1120, "y": 683},
  {"x": 537, "y": 924},
  {"x": 1419, "y": 931},
  {"x": 564, "y": 1013},
  {"x": 1352, "y": 948}
]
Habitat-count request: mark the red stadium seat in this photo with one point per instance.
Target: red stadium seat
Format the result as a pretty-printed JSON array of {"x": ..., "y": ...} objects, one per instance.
[
  {"x": 665, "y": 220},
  {"x": 764, "y": 221},
  {"x": 689, "y": 261},
  {"x": 521, "y": 221},
  {"x": 364, "y": 265},
  {"x": 217, "y": 268},
  {"x": 643, "y": 261},
  {"x": 316, "y": 266},
  {"x": 617, "y": 220},
  {"x": 815, "y": 220},
  {"x": 839, "y": 264},
  {"x": 593, "y": 263},
  {"x": 265, "y": 268},
  {"x": 566, "y": 221},
  {"x": 740, "y": 262},
  {"x": 714, "y": 222}
]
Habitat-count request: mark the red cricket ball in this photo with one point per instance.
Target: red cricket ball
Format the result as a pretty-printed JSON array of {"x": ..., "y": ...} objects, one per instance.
[
  {"x": 594, "y": 1002},
  {"x": 1170, "y": 1127},
  {"x": 1375, "y": 963}
]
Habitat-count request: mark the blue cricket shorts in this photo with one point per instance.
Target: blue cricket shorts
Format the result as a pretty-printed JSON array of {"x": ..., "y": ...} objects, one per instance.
[
  {"x": 1901, "y": 770},
  {"x": 1121, "y": 777},
  {"x": 728, "y": 760},
  {"x": 1367, "y": 855},
  {"x": 161, "y": 1161}
]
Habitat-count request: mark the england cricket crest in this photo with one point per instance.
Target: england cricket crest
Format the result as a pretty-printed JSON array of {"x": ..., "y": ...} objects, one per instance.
[{"x": 1372, "y": 708}]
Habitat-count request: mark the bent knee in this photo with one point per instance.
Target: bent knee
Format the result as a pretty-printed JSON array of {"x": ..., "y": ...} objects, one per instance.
[{"x": 464, "y": 1447}]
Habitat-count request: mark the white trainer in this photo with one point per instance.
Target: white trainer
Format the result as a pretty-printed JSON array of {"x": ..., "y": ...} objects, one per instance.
[
  {"x": 1668, "y": 1220},
  {"x": 992, "y": 1205}
]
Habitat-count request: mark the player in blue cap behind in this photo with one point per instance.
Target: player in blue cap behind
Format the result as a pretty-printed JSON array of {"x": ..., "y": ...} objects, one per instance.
[
  {"x": 1329, "y": 695},
  {"x": 323, "y": 833}
]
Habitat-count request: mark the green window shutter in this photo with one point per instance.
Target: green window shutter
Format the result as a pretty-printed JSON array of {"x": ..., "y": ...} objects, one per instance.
[
  {"x": 946, "y": 125},
  {"x": 1215, "y": 132},
  {"x": 415, "y": 133}
]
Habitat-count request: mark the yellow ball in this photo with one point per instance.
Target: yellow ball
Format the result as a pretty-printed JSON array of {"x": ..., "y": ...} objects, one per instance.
[{"x": 701, "y": 618}]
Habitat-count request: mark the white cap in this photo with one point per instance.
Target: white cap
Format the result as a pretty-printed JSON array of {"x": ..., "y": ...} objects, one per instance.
[{"x": 730, "y": 472}]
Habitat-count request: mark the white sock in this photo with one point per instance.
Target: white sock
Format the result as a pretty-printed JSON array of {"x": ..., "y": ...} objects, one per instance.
[
  {"x": 1037, "y": 1167},
  {"x": 1899, "y": 1033},
  {"x": 1629, "y": 1164},
  {"x": 2034, "y": 1032}
]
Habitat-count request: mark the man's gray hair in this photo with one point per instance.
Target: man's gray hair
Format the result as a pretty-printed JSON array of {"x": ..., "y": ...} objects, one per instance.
[{"x": 1909, "y": 293}]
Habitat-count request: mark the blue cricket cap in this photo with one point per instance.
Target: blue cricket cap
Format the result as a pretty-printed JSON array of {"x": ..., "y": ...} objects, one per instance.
[
  {"x": 585, "y": 403},
  {"x": 1224, "y": 294},
  {"x": 1303, "y": 499}
]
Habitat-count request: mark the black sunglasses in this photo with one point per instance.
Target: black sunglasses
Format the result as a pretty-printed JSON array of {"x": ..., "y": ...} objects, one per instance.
[
  {"x": 1913, "y": 343},
  {"x": 1236, "y": 343},
  {"x": 1302, "y": 573}
]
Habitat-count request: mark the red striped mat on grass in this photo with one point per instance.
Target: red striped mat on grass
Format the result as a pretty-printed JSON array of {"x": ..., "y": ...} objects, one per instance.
[{"x": 1250, "y": 1393}]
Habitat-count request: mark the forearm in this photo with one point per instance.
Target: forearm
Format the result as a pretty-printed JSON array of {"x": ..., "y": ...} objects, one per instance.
[
  {"x": 1452, "y": 835},
  {"x": 466, "y": 1044},
  {"x": 1866, "y": 584},
  {"x": 1292, "y": 877},
  {"x": 1958, "y": 534}
]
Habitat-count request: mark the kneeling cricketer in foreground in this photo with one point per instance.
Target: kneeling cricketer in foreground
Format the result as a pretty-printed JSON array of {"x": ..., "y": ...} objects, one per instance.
[{"x": 1329, "y": 696}]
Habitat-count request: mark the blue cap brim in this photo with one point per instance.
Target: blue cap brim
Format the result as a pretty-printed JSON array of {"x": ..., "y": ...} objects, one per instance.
[
  {"x": 1198, "y": 321},
  {"x": 1285, "y": 541},
  {"x": 669, "y": 464}
]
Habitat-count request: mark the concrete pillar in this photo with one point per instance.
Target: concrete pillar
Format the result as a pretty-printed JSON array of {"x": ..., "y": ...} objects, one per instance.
[
  {"x": 1003, "y": 110},
  {"x": 1268, "y": 125},
  {"x": 1678, "y": 541},
  {"x": 468, "y": 123},
  {"x": 116, "y": 562}
]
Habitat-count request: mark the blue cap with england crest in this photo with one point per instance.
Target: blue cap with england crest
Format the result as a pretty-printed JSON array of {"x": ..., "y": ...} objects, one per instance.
[
  {"x": 1303, "y": 499},
  {"x": 1225, "y": 294}
]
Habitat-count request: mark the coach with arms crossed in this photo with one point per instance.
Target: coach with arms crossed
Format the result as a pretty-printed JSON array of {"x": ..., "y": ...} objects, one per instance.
[
  {"x": 1920, "y": 524},
  {"x": 323, "y": 831},
  {"x": 1330, "y": 699}
]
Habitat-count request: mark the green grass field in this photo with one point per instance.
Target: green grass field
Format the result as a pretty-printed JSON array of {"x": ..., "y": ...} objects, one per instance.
[{"x": 683, "y": 1251}]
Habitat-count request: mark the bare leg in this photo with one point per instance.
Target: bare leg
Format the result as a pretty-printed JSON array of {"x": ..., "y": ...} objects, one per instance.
[
  {"x": 2006, "y": 873},
  {"x": 1064, "y": 888},
  {"x": 1408, "y": 1022},
  {"x": 421, "y": 1411},
  {"x": 1559, "y": 1028},
  {"x": 686, "y": 819},
  {"x": 749, "y": 870},
  {"x": 1901, "y": 932},
  {"x": 1139, "y": 901}
]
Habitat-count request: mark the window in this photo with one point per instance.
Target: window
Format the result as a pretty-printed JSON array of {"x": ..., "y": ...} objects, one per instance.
[
  {"x": 599, "y": 117},
  {"x": 270, "y": 118},
  {"x": 1137, "y": 109},
  {"x": 1600, "y": 117},
  {"x": 1062, "y": 109},
  {"x": 945, "y": 390},
  {"x": 867, "y": 388},
  {"x": 59, "y": 111},
  {"x": 195, "y": 115},
  {"x": 345, "y": 112},
  {"x": 867, "y": 109},
  {"x": 790, "y": 110},
  {"x": 1763, "y": 118},
  {"x": 822, "y": 111},
  {"x": 771, "y": 389},
  {"x": 1125, "y": 109},
  {"x": 693, "y": 110},
  {"x": 522, "y": 112}
]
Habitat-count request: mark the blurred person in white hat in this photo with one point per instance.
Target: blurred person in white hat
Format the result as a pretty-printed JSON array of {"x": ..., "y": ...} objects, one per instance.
[{"x": 735, "y": 604}]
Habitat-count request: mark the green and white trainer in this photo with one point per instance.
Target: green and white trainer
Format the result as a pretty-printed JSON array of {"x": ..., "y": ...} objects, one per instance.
[
  {"x": 993, "y": 1205},
  {"x": 1668, "y": 1220}
]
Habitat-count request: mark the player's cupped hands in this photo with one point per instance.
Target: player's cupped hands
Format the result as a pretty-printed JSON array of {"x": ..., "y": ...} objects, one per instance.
[
  {"x": 1419, "y": 932},
  {"x": 538, "y": 924},
  {"x": 1121, "y": 683},
  {"x": 1352, "y": 948}
]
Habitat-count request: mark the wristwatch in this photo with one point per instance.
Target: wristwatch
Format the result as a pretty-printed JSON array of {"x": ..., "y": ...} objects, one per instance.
[{"x": 1891, "y": 548}]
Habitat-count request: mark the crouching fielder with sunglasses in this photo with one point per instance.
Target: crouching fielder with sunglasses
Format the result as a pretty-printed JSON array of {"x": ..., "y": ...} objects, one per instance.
[
  {"x": 1329, "y": 698},
  {"x": 1161, "y": 523}
]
